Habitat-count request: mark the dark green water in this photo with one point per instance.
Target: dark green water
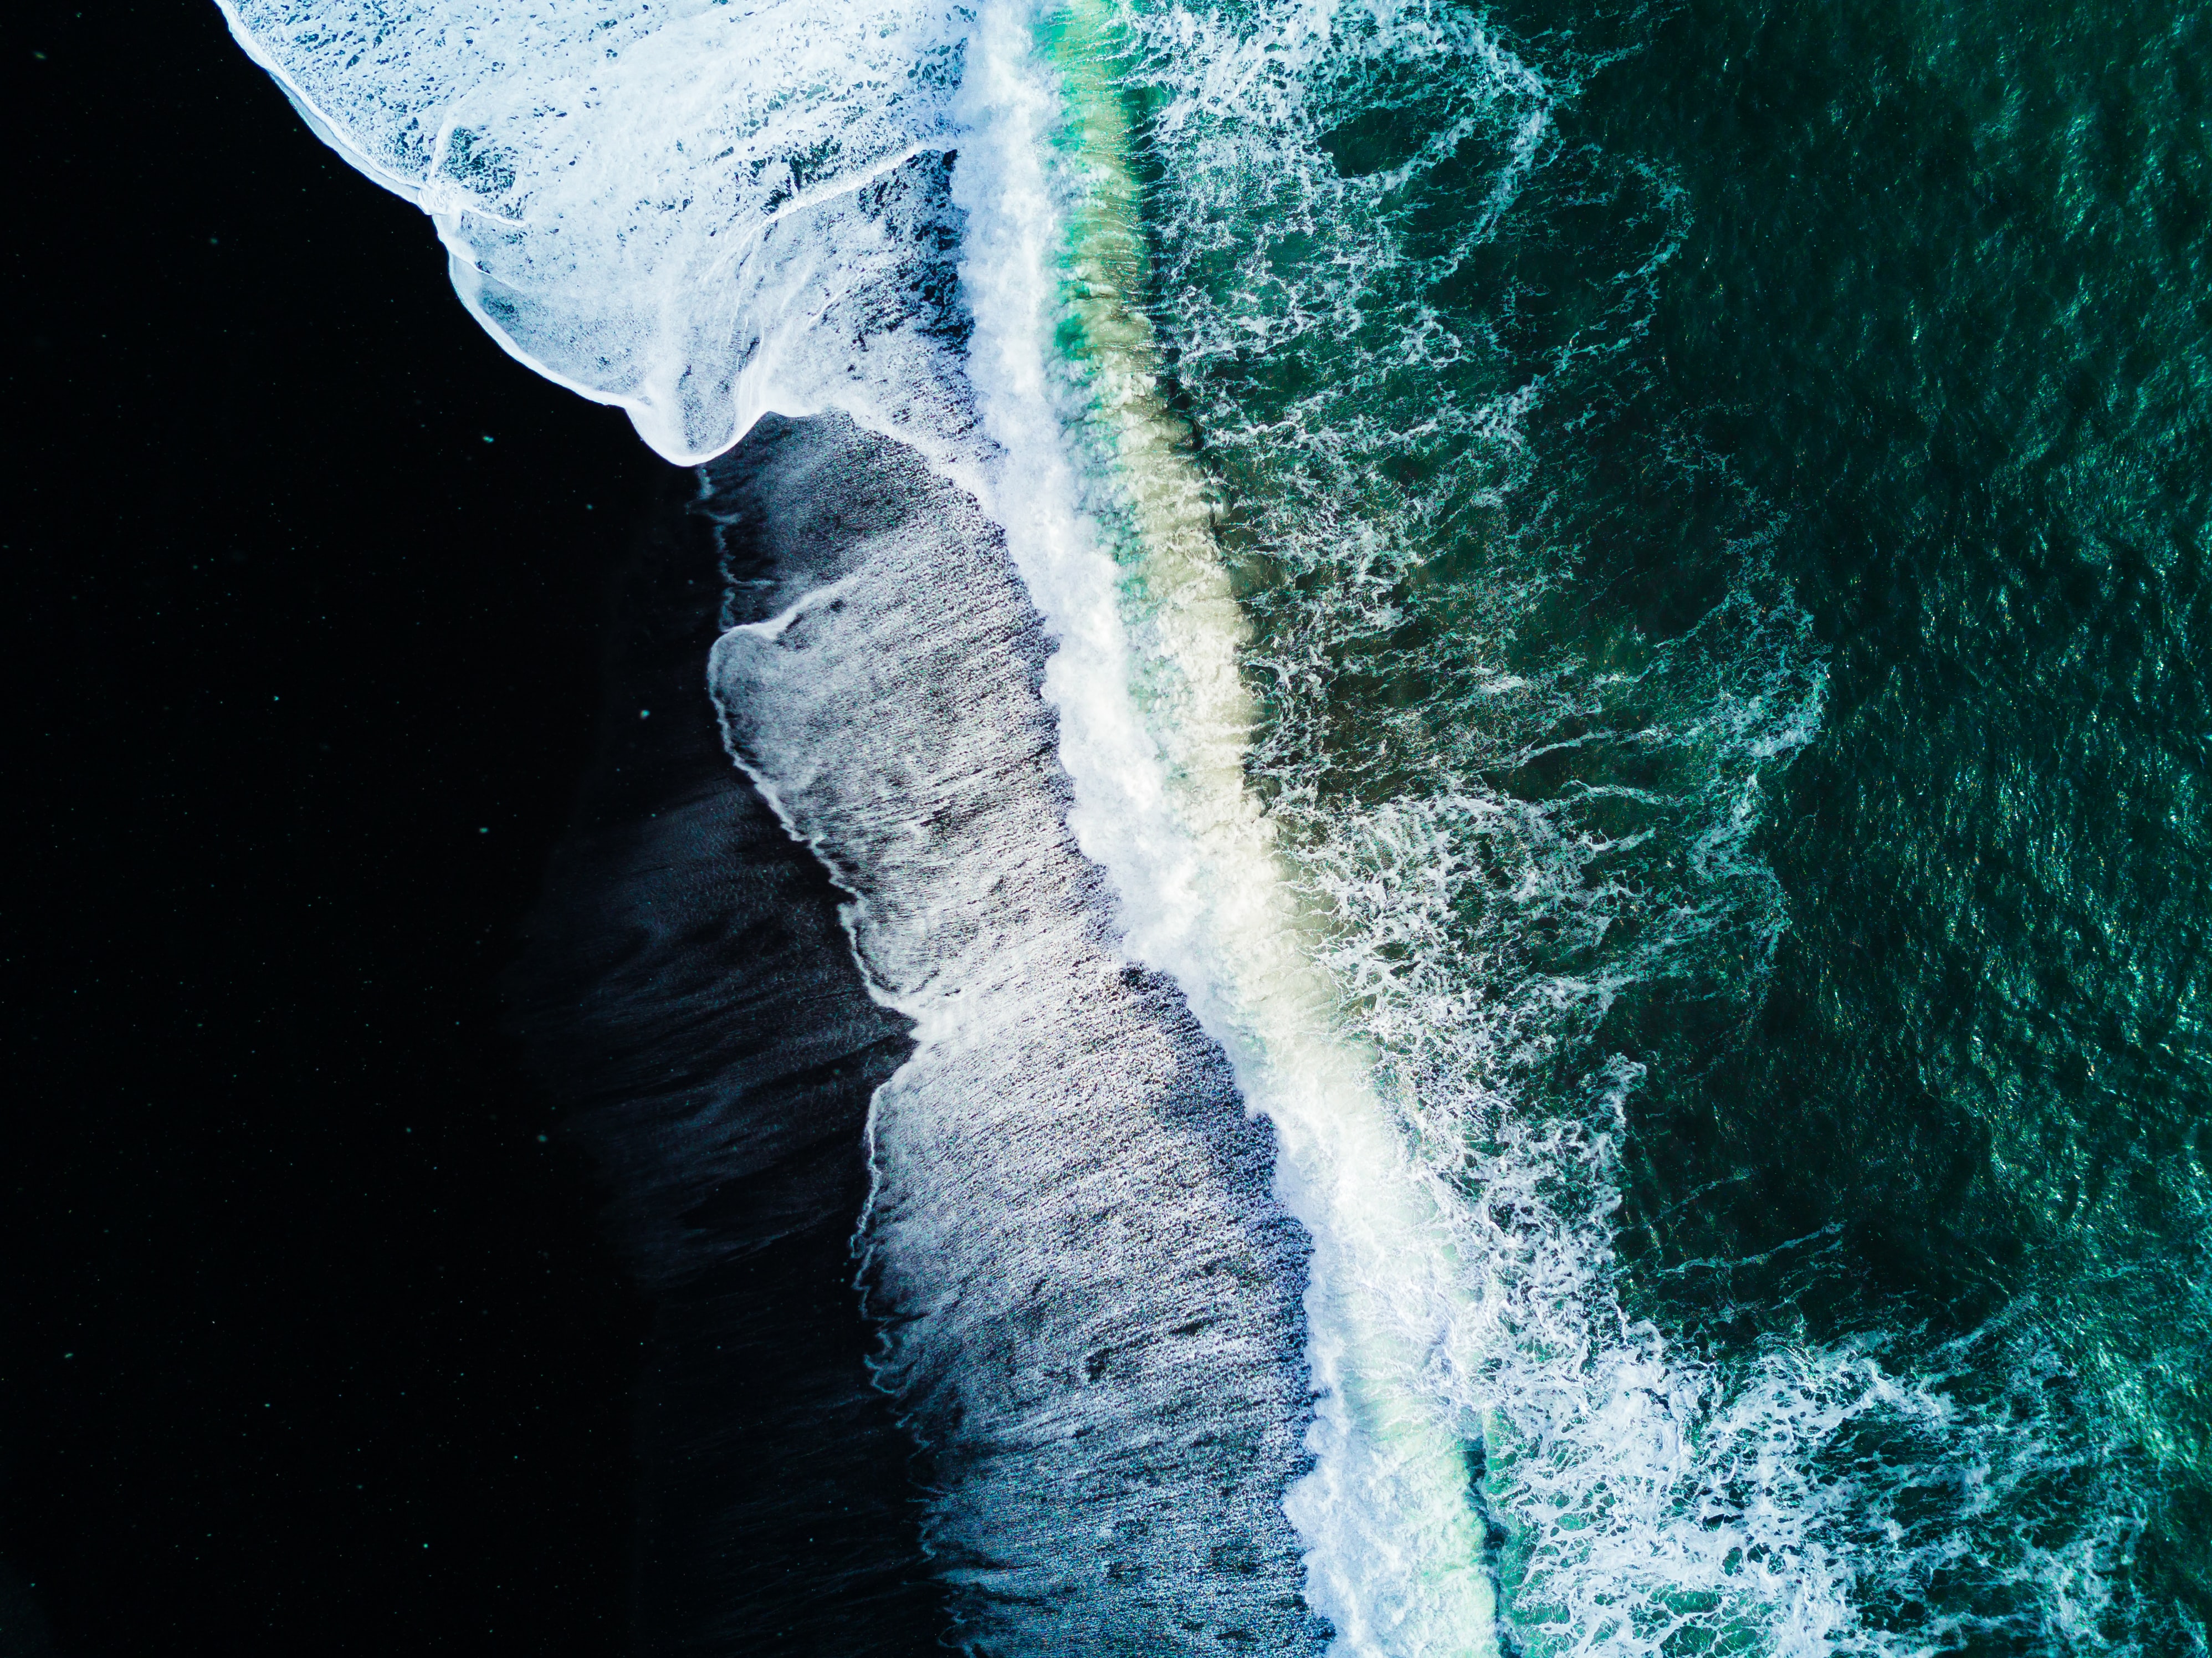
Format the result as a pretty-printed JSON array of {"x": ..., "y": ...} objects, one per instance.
[
  {"x": 1728, "y": 487},
  {"x": 1946, "y": 302}
]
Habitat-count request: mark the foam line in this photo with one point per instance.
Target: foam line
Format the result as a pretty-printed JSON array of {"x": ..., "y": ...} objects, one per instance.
[{"x": 1394, "y": 1555}]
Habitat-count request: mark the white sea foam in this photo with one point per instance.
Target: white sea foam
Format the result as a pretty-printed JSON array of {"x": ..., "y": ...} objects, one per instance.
[
  {"x": 1154, "y": 733},
  {"x": 662, "y": 204},
  {"x": 1089, "y": 1300},
  {"x": 701, "y": 212}
]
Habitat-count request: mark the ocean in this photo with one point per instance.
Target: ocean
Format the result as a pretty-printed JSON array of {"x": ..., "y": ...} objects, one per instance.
[{"x": 1501, "y": 704}]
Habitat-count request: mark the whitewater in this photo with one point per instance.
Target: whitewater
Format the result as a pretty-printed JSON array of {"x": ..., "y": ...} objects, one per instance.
[{"x": 1244, "y": 1227}]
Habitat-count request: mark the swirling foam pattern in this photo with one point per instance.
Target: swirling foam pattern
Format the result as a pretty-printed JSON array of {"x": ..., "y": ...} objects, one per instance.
[{"x": 694, "y": 210}]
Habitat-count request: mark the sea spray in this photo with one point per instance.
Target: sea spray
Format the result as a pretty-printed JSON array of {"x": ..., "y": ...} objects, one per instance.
[{"x": 1115, "y": 537}]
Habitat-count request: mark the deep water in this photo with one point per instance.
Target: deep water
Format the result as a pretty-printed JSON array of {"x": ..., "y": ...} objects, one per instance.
[{"x": 1945, "y": 303}]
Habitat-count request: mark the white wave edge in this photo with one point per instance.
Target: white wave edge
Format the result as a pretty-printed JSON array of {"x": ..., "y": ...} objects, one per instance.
[{"x": 1394, "y": 1548}]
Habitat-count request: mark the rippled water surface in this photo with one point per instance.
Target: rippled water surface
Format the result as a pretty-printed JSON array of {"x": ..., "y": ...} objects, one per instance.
[{"x": 1722, "y": 497}]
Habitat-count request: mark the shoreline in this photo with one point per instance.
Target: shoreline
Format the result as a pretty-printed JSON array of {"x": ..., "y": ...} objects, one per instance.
[{"x": 687, "y": 991}]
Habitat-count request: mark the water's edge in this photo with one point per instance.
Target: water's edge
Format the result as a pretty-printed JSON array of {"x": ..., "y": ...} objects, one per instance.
[
  {"x": 688, "y": 994},
  {"x": 1089, "y": 1293},
  {"x": 1083, "y": 1298}
]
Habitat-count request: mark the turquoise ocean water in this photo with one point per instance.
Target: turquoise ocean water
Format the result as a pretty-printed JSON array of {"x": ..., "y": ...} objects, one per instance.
[{"x": 1721, "y": 494}]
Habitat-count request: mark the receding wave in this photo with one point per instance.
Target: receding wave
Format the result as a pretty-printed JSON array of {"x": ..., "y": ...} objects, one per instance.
[{"x": 1089, "y": 1295}]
